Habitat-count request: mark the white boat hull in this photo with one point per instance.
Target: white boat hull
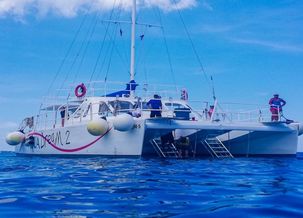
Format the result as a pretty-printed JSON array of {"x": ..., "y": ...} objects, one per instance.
[
  {"x": 75, "y": 140},
  {"x": 260, "y": 139},
  {"x": 251, "y": 140}
]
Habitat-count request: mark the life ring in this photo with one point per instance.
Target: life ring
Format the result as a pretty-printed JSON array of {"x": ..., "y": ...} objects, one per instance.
[{"x": 80, "y": 90}]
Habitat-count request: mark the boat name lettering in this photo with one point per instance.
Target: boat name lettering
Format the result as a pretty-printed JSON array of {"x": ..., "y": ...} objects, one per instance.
[
  {"x": 56, "y": 138},
  {"x": 137, "y": 126},
  {"x": 67, "y": 134}
]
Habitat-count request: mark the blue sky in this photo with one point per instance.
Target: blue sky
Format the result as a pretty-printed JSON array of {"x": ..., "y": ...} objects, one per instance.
[{"x": 251, "y": 48}]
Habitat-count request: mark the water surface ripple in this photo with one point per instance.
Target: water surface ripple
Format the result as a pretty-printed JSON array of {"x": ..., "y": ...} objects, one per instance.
[{"x": 104, "y": 187}]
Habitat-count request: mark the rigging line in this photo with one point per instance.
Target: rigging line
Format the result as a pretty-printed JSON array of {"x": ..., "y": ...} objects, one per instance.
[
  {"x": 67, "y": 53},
  {"x": 109, "y": 63},
  {"x": 125, "y": 51},
  {"x": 148, "y": 52},
  {"x": 167, "y": 51},
  {"x": 138, "y": 47},
  {"x": 75, "y": 60},
  {"x": 145, "y": 53},
  {"x": 86, "y": 47},
  {"x": 103, "y": 43},
  {"x": 107, "y": 51},
  {"x": 111, "y": 54},
  {"x": 144, "y": 63},
  {"x": 119, "y": 53},
  {"x": 192, "y": 44},
  {"x": 99, "y": 54},
  {"x": 141, "y": 48},
  {"x": 104, "y": 60},
  {"x": 111, "y": 48}
]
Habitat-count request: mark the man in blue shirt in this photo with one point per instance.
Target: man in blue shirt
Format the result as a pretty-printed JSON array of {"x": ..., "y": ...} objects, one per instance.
[
  {"x": 276, "y": 105},
  {"x": 156, "y": 106}
]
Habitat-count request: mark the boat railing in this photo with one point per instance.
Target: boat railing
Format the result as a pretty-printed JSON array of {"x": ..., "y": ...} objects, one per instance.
[
  {"x": 75, "y": 115},
  {"x": 232, "y": 112},
  {"x": 101, "y": 88}
]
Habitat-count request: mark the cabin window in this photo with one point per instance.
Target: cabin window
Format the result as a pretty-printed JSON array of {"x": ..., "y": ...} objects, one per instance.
[
  {"x": 173, "y": 106},
  {"x": 103, "y": 109},
  {"x": 121, "y": 106},
  {"x": 72, "y": 109}
]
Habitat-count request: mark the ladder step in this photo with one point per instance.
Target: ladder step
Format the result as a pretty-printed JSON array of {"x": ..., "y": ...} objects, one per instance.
[
  {"x": 217, "y": 148},
  {"x": 166, "y": 150},
  {"x": 171, "y": 153}
]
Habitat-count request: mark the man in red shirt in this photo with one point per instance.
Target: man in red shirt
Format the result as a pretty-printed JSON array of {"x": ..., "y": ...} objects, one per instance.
[{"x": 276, "y": 105}]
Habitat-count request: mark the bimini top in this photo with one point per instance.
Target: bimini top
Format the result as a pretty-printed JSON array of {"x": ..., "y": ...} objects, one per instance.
[{"x": 131, "y": 86}]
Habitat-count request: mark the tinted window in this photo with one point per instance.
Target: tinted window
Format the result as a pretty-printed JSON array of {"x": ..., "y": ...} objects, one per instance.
[
  {"x": 121, "y": 105},
  {"x": 103, "y": 109}
]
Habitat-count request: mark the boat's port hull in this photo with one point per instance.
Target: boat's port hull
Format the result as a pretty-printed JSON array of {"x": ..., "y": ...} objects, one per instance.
[{"x": 76, "y": 140}]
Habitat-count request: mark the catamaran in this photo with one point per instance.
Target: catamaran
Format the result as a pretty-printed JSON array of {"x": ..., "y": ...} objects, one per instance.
[{"x": 98, "y": 121}]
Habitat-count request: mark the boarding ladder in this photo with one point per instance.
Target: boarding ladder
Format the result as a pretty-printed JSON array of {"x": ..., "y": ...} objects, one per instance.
[
  {"x": 167, "y": 150},
  {"x": 216, "y": 147}
]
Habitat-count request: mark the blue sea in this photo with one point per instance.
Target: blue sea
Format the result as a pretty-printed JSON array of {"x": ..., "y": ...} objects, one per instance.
[{"x": 106, "y": 187}]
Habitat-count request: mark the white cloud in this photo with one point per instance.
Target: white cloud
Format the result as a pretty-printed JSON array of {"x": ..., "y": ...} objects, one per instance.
[
  {"x": 70, "y": 8},
  {"x": 8, "y": 125},
  {"x": 207, "y": 6},
  {"x": 279, "y": 46},
  {"x": 216, "y": 28}
]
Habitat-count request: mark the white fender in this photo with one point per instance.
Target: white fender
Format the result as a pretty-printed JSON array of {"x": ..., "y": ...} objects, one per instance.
[
  {"x": 15, "y": 138},
  {"x": 97, "y": 127},
  {"x": 123, "y": 122}
]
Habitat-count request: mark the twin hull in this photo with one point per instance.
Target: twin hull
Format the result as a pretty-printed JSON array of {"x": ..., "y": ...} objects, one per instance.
[{"x": 75, "y": 140}]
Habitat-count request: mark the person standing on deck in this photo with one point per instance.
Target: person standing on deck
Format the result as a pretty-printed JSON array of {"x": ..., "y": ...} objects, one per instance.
[
  {"x": 184, "y": 94},
  {"x": 276, "y": 105},
  {"x": 211, "y": 111},
  {"x": 62, "y": 114},
  {"x": 155, "y": 105}
]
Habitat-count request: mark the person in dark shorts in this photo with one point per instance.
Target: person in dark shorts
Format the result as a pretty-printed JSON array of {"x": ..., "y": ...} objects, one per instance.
[
  {"x": 155, "y": 105},
  {"x": 183, "y": 146}
]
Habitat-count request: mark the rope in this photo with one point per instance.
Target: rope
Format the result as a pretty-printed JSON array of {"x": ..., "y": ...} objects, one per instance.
[
  {"x": 103, "y": 43},
  {"x": 167, "y": 51},
  {"x": 111, "y": 54},
  {"x": 67, "y": 54},
  {"x": 192, "y": 45},
  {"x": 76, "y": 57},
  {"x": 141, "y": 48},
  {"x": 87, "y": 45},
  {"x": 109, "y": 50},
  {"x": 104, "y": 60}
]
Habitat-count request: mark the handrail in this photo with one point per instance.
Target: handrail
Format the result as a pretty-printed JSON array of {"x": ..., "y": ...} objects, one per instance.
[{"x": 48, "y": 119}]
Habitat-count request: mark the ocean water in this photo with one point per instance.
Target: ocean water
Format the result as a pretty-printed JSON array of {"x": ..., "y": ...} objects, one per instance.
[{"x": 105, "y": 187}]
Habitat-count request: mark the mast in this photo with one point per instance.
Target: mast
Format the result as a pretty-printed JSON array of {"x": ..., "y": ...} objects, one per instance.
[{"x": 133, "y": 46}]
